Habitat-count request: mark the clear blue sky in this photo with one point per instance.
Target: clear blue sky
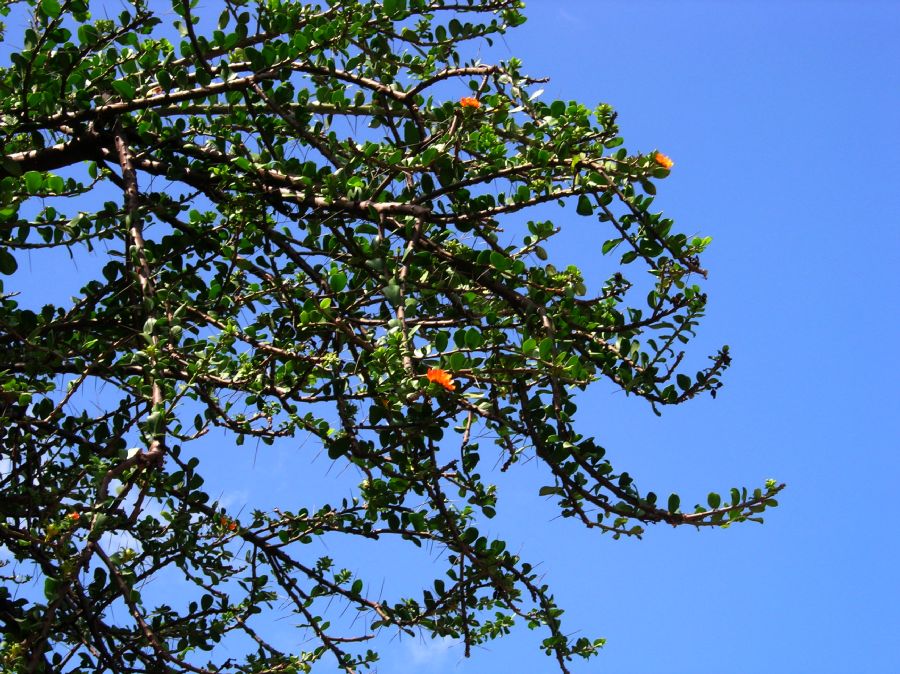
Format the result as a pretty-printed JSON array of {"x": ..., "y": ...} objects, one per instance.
[{"x": 782, "y": 119}]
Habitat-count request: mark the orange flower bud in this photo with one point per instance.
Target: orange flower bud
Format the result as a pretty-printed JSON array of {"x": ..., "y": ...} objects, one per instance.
[
  {"x": 438, "y": 376},
  {"x": 663, "y": 160},
  {"x": 470, "y": 102}
]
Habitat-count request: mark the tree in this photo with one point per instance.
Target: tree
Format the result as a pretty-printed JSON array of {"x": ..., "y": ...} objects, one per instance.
[{"x": 298, "y": 221}]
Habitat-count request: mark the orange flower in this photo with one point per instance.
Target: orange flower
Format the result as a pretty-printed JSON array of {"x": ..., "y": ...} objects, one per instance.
[
  {"x": 442, "y": 377},
  {"x": 663, "y": 160},
  {"x": 232, "y": 525},
  {"x": 74, "y": 516},
  {"x": 470, "y": 102}
]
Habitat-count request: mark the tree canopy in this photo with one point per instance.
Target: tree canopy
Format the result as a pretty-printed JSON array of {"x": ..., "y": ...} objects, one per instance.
[{"x": 310, "y": 219}]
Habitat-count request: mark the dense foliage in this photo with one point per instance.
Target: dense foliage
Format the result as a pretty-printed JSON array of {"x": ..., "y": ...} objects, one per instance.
[{"x": 298, "y": 221}]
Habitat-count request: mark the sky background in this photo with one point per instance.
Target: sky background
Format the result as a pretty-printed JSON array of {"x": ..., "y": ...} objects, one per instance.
[{"x": 782, "y": 119}]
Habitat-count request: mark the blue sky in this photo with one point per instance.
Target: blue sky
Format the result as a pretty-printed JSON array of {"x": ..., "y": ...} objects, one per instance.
[{"x": 782, "y": 120}]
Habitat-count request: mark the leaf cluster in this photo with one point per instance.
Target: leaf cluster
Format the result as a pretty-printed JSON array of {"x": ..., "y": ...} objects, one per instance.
[{"x": 289, "y": 219}]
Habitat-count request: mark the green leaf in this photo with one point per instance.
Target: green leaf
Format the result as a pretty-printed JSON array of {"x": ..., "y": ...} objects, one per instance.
[
  {"x": 474, "y": 338},
  {"x": 457, "y": 361},
  {"x": 338, "y": 281},
  {"x": 609, "y": 245},
  {"x": 440, "y": 341},
  {"x": 459, "y": 338},
  {"x": 56, "y": 184},
  {"x": 714, "y": 500},
  {"x": 500, "y": 262},
  {"x": 34, "y": 181},
  {"x": 51, "y": 588},
  {"x": 392, "y": 293},
  {"x": 51, "y": 8},
  {"x": 584, "y": 205},
  {"x": 546, "y": 348},
  {"x": 684, "y": 382},
  {"x": 674, "y": 503},
  {"x": 124, "y": 89},
  {"x": 242, "y": 163},
  {"x": 8, "y": 264},
  {"x": 417, "y": 520},
  {"x": 87, "y": 34},
  {"x": 393, "y": 8}
]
